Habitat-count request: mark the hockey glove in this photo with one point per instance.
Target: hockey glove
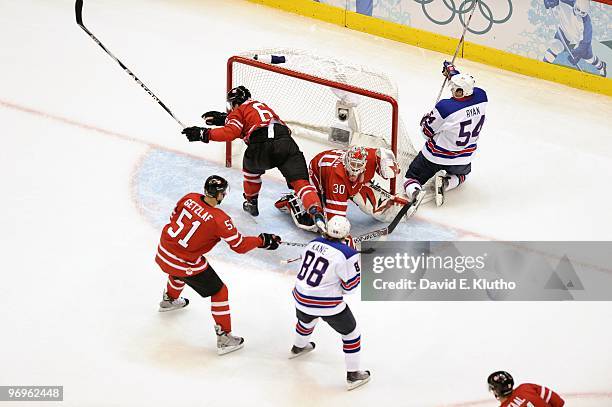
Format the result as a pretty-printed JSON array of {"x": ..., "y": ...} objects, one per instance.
[
  {"x": 196, "y": 133},
  {"x": 449, "y": 69},
  {"x": 270, "y": 241},
  {"x": 426, "y": 125},
  {"x": 214, "y": 118}
]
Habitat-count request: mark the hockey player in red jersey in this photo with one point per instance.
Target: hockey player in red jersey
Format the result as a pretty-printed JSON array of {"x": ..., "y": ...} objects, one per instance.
[
  {"x": 343, "y": 175},
  {"x": 195, "y": 227},
  {"x": 269, "y": 145},
  {"x": 526, "y": 395}
]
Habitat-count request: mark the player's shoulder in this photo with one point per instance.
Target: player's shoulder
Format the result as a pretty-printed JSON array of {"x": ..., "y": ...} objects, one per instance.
[
  {"x": 191, "y": 196},
  {"x": 342, "y": 248},
  {"x": 446, "y": 107}
]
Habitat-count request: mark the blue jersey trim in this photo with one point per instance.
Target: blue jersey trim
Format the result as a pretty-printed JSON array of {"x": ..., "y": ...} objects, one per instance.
[
  {"x": 446, "y": 107},
  {"x": 345, "y": 249}
]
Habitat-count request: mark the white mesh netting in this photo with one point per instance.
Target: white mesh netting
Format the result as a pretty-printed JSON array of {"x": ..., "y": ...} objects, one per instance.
[{"x": 310, "y": 108}]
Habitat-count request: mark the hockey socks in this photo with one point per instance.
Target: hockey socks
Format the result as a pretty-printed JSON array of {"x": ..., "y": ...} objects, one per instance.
[
  {"x": 351, "y": 345},
  {"x": 303, "y": 331},
  {"x": 220, "y": 309},
  {"x": 174, "y": 287},
  {"x": 251, "y": 184},
  {"x": 307, "y": 194},
  {"x": 454, "y": 181}
]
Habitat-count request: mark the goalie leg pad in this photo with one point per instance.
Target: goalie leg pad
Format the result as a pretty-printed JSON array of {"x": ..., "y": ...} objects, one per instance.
[{"x": 376, "y": 205}]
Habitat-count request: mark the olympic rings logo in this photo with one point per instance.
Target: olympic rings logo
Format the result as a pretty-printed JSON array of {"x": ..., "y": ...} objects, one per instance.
[{"x": 464, "y": 9}]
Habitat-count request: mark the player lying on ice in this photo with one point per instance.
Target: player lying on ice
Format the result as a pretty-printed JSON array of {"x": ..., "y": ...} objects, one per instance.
[
  {"x": 343, "y": 175},
  {"x": 526, "y": 395},
  {"x": 269, "y": 145},
  {"x": 195, "y": 227},
  {"x": 329, "y": 270},
  {"x": 452, "y": 130}
]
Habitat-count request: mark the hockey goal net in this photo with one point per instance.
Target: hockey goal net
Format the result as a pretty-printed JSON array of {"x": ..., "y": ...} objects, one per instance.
[{"x": 324, "y": 100}]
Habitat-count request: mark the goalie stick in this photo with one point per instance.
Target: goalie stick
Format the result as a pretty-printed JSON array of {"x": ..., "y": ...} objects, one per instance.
[
  {"x": 78, "y": 9},
  {"x": 461, "y": 40},
  {"x": 370, "y": 235}
]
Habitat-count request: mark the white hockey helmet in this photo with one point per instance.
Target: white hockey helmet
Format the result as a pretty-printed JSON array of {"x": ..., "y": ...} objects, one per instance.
[
  {"x": 386, "y": 165},
  {"x": 462, "y": 81},
  {"x": 582, "y": 7},
  {"x": 338, "y": 227},
  {"x": 355, "y": 161}
]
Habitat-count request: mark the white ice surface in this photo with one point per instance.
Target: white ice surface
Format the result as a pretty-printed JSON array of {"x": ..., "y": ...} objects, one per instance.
[{"x": 91, "y": 168}]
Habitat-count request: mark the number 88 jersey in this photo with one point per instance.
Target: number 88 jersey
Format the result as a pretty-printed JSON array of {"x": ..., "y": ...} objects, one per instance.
[{"x": 329, "y": 270}]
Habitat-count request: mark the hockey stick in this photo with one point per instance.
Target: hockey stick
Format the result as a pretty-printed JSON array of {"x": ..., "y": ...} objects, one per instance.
[
  {"x": 461, "y": 40},
  {"x": 567, "y": 48},
  {"x": 78, "y": 8},
  {"x": 386, "y": 230},
  {"x": 388, "y": 194},
  {"x": 288, "y": 261}
]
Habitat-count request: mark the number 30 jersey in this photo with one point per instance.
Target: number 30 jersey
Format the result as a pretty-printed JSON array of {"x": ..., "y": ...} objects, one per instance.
[
  {"x": 455, "y": 125},
  {"x": 194, "y": 229},
  {"x": 329, "y": 270}
]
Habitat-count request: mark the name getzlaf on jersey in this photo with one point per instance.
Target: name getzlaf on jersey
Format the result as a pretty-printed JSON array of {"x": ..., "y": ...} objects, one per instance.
[
  {"x": 329, "y": 270},
  {"x": 455, "y": 124},
  {"x": 329, "y": 177},
  {"x": 194, "y": 229}
]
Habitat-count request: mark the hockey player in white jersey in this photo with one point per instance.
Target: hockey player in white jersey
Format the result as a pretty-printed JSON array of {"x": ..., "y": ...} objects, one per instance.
[
  {"x": 329, "y": 270},
  {"x": 452, "y": 130}
]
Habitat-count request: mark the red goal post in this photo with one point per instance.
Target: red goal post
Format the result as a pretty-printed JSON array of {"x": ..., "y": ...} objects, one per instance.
[{"x": 389, "y": 116}]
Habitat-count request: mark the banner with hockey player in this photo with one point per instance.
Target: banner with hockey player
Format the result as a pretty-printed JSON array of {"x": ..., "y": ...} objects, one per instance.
[{"x": 572, "y": 33}]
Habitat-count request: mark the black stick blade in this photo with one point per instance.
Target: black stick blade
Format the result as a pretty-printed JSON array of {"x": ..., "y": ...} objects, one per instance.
[{"x": 78, "y": 10}]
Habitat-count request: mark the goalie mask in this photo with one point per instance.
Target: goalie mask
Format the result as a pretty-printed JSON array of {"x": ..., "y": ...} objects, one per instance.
[
  {"x": 355, "y": 161},
  {"x": 386, "y": 166},
  {"x": 237, "y": 96}
]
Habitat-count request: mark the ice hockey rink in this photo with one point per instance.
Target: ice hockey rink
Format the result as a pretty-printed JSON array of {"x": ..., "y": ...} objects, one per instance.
[{"x": 92, "y": 167}]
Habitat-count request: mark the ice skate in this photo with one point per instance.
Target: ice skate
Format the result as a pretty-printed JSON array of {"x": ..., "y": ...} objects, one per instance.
[
  {"x": 250, "y": 206},
  {"x": 356, "y": 379},
  {"x": 168, "y": 304},
  {"x": 441, "y": 181},
  {"x": 295, "y": 351},
  {"x": 604, "y": 69},
  {"x": 226, "y": 342},
  {"x": 417, "y": 198}
]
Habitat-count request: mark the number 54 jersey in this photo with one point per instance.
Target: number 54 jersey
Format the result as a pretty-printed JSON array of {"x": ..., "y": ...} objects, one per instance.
[
  {"x": 329, "y": 270},
  {"x": 455, "y": 125}
]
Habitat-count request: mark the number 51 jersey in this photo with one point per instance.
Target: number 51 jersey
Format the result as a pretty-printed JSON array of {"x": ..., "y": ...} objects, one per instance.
[{"x": 329, "y": 270}]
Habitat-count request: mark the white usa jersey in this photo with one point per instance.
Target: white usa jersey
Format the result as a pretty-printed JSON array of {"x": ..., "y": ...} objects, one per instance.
[
  {"x": 456, "y": 125},
  {"x": 329, "y": 270}
]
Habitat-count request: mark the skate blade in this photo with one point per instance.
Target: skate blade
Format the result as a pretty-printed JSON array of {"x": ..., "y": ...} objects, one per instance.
[
  {"x": 415, "y": 205},
  {"x": 295, "y": 355},
  {"x": 161, "y": 309},
  {"x": 229, "y": 349},
  {"x": 358, "y": 383}
]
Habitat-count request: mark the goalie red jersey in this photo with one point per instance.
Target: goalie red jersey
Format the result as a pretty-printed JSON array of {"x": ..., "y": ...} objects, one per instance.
[
  {"x": 194, "y": 229},
  {"x": 243, "y": 120},
  {"x": 532, "y": 395}
]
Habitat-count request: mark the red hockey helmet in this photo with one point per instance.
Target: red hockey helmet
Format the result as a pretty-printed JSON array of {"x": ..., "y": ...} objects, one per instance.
[{"x": 355, "y": 161}]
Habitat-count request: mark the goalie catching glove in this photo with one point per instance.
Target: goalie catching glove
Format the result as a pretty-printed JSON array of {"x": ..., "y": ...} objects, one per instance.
[
  {"x": 270, "y": 241},
  {"x": 196, "y": 133},
  {"x": 214, "y": 118}
]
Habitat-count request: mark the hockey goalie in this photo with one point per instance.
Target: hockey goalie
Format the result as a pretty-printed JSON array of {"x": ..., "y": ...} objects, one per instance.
[{"x": 341, "y": 176}]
